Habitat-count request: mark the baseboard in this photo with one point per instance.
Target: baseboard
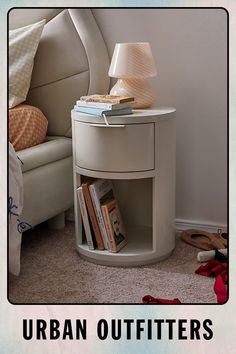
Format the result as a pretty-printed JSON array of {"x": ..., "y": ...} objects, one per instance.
[{"x": 181, "y": 225}]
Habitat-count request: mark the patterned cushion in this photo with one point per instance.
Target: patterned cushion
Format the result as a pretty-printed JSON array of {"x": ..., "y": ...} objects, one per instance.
[
  {"x": 27, "y": 126},
  {"x": 23, "y": 43}
]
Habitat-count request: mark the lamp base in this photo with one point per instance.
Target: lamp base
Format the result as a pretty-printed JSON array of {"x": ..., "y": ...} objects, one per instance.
[{"x": 140, "y": 89}]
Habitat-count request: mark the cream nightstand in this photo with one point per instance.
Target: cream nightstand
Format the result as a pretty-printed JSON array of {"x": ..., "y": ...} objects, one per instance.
[{"x": 138, "y": 153}]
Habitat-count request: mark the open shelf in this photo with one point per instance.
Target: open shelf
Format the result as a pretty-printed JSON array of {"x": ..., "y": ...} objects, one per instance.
[
  {"x": 138, "y": 250},
  {"x": 139, "y": 241}
]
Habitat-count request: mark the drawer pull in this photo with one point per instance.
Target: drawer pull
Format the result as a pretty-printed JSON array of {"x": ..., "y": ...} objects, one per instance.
[{"x": 108, "y": 126}]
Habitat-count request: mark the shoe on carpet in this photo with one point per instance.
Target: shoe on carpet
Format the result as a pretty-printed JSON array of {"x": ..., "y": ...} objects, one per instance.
[{"x": 203, "y": 239}]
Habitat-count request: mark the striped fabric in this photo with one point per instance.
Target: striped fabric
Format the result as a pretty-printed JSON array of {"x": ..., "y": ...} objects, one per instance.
[{"x": 23, "y": 44}]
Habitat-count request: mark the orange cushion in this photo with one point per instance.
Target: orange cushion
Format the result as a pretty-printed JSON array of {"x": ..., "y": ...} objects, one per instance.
[{"x": 27, "y": 126}]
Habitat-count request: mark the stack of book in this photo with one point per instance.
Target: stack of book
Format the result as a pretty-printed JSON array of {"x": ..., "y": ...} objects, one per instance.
[
  {"x": 102, "y": 220},
  {"x": 108, "y": 105}
]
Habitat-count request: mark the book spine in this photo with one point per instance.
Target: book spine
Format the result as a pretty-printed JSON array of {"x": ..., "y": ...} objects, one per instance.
[
  {"x": 85, "y": 219},
  {"x": 89, "y": 110},
  {"x": 92, "y": 215},
  {"x": 98, "y": 212},
  {"x": 95, "y": 104},
  {"x": 100, "y": 111},
  {"x": 109, "y": 228},
  {"x": 107, "y": 99},
  {"x": 105, "y": 106}
]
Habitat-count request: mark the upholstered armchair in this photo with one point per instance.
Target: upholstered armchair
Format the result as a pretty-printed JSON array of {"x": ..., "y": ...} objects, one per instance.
[{"x": 71, "y": 61}]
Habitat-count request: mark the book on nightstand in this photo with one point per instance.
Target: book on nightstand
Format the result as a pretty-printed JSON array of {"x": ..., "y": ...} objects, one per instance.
[
  {"x": 101, "y": 111},
  {"x": 108, "y": 105},
  {"x": 90, "y": 237},
  {"x": 101, "y": 190},
  {"x": 104, "y": 105},
  {"x": 91, "y": 212},
  {"x": 114, "y": 225},
  {"x": 115, "y": 99}
]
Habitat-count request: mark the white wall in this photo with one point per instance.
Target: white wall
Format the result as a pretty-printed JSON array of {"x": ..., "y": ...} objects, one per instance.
[{"x": 190, "y": 49}]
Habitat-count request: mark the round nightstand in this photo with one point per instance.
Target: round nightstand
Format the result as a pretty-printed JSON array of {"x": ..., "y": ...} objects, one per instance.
[{"x": 137, "y": 152}]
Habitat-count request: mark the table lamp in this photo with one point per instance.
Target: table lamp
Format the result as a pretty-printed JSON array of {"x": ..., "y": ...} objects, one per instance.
[{"x": 133, "y": 64}]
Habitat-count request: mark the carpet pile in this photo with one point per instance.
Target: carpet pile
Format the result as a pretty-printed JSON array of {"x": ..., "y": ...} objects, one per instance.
[{"x": 53, "y": 272}]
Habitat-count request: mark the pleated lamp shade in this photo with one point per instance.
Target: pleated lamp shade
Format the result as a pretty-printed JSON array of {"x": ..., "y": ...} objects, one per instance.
[
  {"x": 133, "y": 64},
  {"x": 132, "y": 60}
]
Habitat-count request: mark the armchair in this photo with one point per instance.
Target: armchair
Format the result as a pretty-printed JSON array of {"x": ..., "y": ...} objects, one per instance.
[{"x": 71, "y": 61}]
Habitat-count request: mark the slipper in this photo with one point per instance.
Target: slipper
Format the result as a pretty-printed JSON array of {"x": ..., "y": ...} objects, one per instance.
[
  {"x": 204, "y": 240},
  {"x": 223, "y": 237}
]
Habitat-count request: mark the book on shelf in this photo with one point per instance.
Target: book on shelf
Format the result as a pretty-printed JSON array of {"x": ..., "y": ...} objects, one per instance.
[
  {"x": 91, "y": 212},
  {"x": 105, "y": 105},
  {"x": 101, "y": 190},
  {"x": 114, "y": 225},
  {"x": 101, "y": 111},
  {"x": 107, "y": 98},
  {"x": 90, "y": 237}
]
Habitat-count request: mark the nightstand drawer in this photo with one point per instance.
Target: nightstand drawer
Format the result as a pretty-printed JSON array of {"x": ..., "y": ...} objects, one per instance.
[{"x": 115, "y": 149}]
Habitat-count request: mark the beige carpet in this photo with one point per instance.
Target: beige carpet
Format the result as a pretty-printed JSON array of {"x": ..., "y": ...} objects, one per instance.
[{"x": 53, "y": 272}]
